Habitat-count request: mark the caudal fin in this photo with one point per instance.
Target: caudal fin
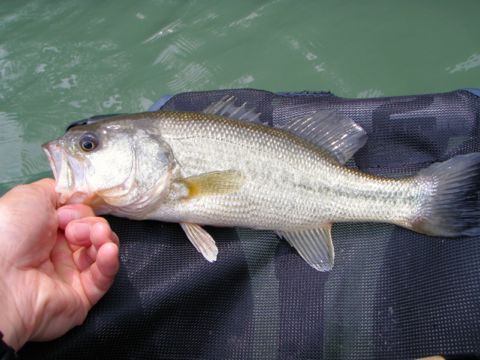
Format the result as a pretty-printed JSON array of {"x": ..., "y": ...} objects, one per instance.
[{"x": 453, "y": 208}]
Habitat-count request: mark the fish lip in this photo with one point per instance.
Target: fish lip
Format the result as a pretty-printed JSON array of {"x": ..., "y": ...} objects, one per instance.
[
  {"x": 54, "y": 162},
  {"x": 55, "y": 155}
]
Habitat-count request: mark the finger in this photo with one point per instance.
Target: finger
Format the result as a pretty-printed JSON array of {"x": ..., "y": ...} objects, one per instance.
[
  {"x": 85, "y": 237},
  {"x": 92, "y": 252},
  {"x": 61, "y": 254},
  {"x": 68, "y": 213},
  {"x": 115, "y": 238},
  {"x": 102, "y": 233},
  {"x": 83, "y": 259},
  {"x": 45, "y": 182},
  {"x": 107, "y": 261},
  {"x": 99, "y": 277},
  {"x": 61, "y": 257},
  {"x": 78, "y": 232}
]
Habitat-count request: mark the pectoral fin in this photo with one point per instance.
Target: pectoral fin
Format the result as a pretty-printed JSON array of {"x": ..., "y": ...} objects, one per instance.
[
  {"x": 213, "y": 183},
  {"x": 314, "y": 246},
  {"x": 202, "y": 241}
]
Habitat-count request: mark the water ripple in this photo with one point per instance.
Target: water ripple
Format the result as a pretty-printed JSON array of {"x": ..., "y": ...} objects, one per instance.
[
  {"x": 472, "y": 62},
  {"x": 193, "y": 76},
  {"x": 182, "y": 47},
  {"x": 166, "y": 30},
  {"x": 10, "y": 141}
]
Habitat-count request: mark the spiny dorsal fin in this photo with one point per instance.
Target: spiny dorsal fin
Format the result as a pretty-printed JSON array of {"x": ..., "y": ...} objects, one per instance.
[
  {"x": 333, "y": 132},
  {"x": 213, "y": 183},
  {"x": 202, "y": 241},
  {"x": 314, "y": 246},
  {"x": 226, "y": 107}
]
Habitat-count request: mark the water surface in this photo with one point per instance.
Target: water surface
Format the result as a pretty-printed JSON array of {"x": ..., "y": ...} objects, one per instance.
[{"x": 64, "y": 60}]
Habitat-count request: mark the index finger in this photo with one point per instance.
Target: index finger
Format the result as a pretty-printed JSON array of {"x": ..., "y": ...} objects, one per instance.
[{"x": 68, "y": 213}]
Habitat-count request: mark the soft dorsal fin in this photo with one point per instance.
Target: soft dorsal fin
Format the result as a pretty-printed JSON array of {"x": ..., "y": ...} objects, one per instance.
[
  {"x": 333, "y": 132},
  {"x": 314, "y": 246},
  {"x": 202, "y": 241},
  {"x": 226, "y": 107}
]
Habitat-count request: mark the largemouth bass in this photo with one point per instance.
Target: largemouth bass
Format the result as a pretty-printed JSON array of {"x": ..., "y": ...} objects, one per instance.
[{"x": 223, "y": 167}]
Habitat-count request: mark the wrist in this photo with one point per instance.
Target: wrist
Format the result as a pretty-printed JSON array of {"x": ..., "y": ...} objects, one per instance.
[
  {"x": 6, "y": 351},
  {"x": 10, "y": 321},
  {"x": 10, "y": 334}
]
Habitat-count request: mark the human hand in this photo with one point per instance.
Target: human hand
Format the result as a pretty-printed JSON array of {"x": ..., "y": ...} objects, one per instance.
[{"x": 55, "y": 263}]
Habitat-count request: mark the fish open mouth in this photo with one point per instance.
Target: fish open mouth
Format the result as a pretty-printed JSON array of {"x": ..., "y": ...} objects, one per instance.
[
  {"x": 61, "y": 170},
  {"x": 68, "y": 175},
  {"x": 54, "y": 155}
]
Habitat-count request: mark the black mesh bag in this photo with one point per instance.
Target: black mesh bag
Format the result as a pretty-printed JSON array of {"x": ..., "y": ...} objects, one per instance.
[{"x": 393, "y": 293}]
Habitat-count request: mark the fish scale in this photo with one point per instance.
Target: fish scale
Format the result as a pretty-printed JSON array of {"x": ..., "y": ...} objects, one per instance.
[
  {"x": 282, "y": 174},
  {"x": 211, "y": 168}
]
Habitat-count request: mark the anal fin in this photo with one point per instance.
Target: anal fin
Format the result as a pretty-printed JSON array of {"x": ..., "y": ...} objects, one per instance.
[
  {"x": 202, "y": 241},
  {"x": 314, "y": 246}
]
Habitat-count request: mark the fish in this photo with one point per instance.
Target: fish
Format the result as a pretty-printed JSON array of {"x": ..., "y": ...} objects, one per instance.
[{"x": 224, "y": 167}]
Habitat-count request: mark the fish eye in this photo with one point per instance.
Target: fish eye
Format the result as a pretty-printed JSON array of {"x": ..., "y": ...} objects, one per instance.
[{"x": 88, "y": 142}]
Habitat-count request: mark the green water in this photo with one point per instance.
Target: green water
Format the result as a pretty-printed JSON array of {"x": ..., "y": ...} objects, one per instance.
[{"x": 64, "y": 60}]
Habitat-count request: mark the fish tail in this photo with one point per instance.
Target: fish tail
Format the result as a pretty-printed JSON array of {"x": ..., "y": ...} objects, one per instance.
[{"x": 453, "y": 208}]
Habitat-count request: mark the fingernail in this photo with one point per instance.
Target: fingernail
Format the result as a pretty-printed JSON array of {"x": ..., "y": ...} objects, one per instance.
[{"x": 115, "y": 239}]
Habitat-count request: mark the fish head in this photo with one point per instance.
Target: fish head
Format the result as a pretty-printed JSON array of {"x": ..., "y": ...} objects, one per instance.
[{"x": 110, "y": 164}]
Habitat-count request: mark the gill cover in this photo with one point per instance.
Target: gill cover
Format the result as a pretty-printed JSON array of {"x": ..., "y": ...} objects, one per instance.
[
  {"x": 113, "y": 164},
  {"x": 142, "y": 163}
]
